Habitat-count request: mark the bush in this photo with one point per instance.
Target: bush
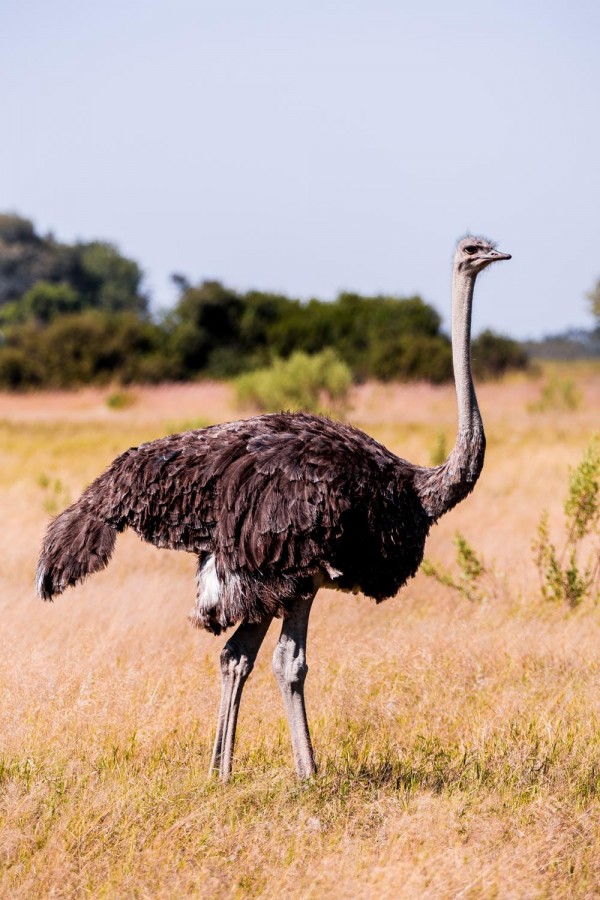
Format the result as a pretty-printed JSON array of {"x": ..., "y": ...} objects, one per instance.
[
  {"x": 120, "y": 400},
  {"x": 411, "y": 357},
  {"x": 98, "y": 274},
  {"x": 563, "y": 575},
  {"x": 495, "y": 354},
  {"x": 17, "y": 370},
  {"x": 16, "y": 230},
  {"x": 107, "y": 280},
  {"x": 318, "y": 383},
  {"x": 557, "y": 394},
  {"x": 472, "y": 571},
  {"x": 41, "y": 303},
  {"x": 439, "y": 451},
  {"x": 83, "y": 349}
]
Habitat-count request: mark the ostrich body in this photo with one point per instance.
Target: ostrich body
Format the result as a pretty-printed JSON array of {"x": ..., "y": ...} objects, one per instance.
[{"x": 276, "y": 507}]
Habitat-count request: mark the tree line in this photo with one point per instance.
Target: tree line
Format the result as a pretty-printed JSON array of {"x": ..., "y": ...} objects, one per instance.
[{"x": 73, "y": 314}]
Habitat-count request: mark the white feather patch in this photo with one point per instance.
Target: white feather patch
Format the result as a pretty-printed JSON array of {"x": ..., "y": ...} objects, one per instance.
[{"x": 209, "y": 586}]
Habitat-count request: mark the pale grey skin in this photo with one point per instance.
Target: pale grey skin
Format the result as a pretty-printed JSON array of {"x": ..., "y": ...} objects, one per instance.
[{"x": 289, "y": 660}]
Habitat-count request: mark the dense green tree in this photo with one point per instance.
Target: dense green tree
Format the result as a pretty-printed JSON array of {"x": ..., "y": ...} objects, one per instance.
[
  {"x": 204, "y": 324},
  {"x": 370, "y": 334},
  {"x": 26, "y": 258},
  {"x": 18, "y": 369},
  {"x": 495, "y": 354},
  {"x": 42, "y": 302},
  {"x": 260, "y": 313},
  {"x": 17, "y": 230},
  {"x": 90, "y": 347},
  {"x": 410, "y": 357},
  {"x": 221, "y": 332},
  {"x": 107, "y": 280},
  {"x": 99, "y": 274}
]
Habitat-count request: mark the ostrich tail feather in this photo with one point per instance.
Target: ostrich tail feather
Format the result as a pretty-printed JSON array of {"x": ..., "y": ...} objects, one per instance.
[{"x": 77, "y": 543}]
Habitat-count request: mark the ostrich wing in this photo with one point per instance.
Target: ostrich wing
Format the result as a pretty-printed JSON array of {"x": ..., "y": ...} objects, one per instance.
[{"x": 273, "y": 491}]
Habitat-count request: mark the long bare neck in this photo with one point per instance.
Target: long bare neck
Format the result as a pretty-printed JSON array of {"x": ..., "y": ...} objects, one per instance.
[
  {"x": 442, "y": 487},
  {"x": 469, "y": 417}
]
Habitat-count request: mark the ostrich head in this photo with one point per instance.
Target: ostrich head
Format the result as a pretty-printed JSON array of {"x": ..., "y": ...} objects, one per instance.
[{"x": 475, "y": 253}]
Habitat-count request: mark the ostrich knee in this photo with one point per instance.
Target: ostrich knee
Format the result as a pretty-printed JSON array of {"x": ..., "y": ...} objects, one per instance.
[
  {"x": 235, "y": 663},
  {"x": 290, "y": 668}
]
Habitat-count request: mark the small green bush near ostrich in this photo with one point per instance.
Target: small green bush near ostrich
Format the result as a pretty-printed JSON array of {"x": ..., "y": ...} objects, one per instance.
[
  {"x": 120, "y": 400},
  {"x": 317, "y": 383},
  {"x": 557, "y": 394},
  {"x": 569, "y": 573},
  {"x": 572, "y": 573}
]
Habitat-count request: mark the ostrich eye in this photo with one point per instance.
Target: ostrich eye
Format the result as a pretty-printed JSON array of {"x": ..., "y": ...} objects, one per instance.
[{"x": 471, "y": 249}]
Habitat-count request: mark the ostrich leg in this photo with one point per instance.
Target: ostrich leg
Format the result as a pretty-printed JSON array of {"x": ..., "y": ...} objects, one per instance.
[
  {"x": 289, "y": 665},
  {"x": 237, "y": 661}
]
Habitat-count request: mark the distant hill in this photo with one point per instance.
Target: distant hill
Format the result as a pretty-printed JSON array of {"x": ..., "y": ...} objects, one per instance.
[{"x": 572, "y": 344}]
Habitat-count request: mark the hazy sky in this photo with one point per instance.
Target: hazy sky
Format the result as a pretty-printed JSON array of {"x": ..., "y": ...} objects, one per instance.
[{"x": 311, "y": 146}]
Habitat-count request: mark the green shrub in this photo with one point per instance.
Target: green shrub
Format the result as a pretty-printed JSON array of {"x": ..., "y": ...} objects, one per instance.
[
  {"x": 42, "y": 302},
  {"x": 472, "y": 570},
  {"x": 411, "y": 357},
  {"x": 18, "y": 370},
  {"x": 315, "y": 383},
  {"x": 84, "y": 348},
  {"x": 120, "y": 400},
  {"x": 557, "y": 394},
  {"x": 495, "y": 354},
  {"x": 152, "y": 367},
  {"x": 96, "y": 273},
  {"x": 563, "y": 575},
  {"x": 439, "y": 451}
]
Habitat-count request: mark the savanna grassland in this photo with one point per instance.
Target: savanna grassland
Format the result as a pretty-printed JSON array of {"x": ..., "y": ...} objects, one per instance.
[{"x": 458, "y": 740}]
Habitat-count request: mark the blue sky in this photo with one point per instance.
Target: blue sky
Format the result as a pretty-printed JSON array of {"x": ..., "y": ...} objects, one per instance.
[{"x": 316, "y": 146}]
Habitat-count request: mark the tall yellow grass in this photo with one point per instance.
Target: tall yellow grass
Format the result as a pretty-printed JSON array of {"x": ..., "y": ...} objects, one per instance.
[{"x": 458, "y": 743}]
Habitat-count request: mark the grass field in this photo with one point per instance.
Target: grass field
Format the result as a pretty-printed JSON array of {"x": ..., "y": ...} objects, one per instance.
[{"x": 458, "y": 742}]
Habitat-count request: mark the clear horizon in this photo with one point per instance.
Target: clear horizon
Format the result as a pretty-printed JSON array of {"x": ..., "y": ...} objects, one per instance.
[{"x": 316, "y": 148}]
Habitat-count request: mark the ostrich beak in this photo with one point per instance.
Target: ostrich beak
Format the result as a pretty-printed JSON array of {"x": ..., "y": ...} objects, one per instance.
[{"x": 495, "y": 255}]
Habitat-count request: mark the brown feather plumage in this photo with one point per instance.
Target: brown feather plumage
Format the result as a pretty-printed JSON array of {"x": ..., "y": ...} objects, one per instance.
[{"x": 278, "y": 500}]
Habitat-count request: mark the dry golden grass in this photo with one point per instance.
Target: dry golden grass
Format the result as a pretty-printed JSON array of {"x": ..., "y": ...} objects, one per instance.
[{"x": 458, "y": 743}]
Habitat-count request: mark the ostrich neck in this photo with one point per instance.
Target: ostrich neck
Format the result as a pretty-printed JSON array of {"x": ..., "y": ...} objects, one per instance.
[
  {"x": 442, "y": 487},
  {"x": 469, "y": 418}
]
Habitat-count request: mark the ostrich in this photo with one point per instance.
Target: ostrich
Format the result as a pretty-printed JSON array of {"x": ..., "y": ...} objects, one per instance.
[{"x": 276, "y": 507}]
